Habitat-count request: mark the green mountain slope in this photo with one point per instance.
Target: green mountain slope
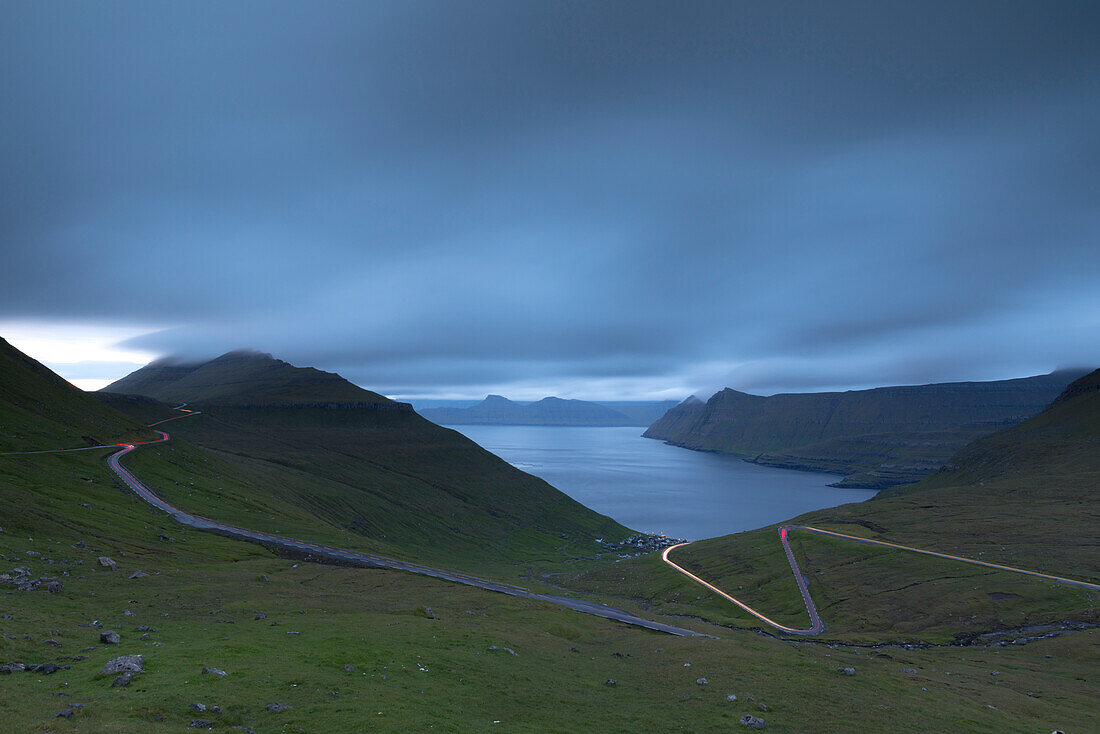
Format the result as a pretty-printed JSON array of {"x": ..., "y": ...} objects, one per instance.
[
  {"x": 39, "y": 410},
  {"x": 875, "y": 438},
  {"x": 364, "y": 471}
]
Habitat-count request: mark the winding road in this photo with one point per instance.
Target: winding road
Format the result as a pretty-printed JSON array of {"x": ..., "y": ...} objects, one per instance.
[
  {"x": 355, "y": 558},
  {"x": 368, "y": 560},
  {"x": 817, "y": 626}
]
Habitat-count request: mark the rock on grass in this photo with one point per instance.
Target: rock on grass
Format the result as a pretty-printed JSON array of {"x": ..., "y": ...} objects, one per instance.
[
  {"x": 753, "y": 722},
  {"x": 122, "y": 664}
]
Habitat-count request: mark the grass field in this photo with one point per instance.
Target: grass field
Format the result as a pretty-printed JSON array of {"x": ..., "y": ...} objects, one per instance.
[{"x": 413, "y": 673}]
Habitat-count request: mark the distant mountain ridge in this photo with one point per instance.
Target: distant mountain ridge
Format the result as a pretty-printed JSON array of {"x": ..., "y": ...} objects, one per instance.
[
  {"x": 875, "y": 438},
  {"x": 550, "y": 411},
  {"x": 245, "y": 378}
]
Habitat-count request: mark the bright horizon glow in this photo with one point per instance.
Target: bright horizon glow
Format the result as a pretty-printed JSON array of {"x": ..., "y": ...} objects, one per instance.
[
  {"x": 87, "y": 355},
  {"x": 91, "y": 385}
]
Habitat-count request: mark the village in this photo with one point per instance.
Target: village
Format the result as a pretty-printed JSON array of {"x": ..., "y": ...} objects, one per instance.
[{"x": 645, "y": 542}]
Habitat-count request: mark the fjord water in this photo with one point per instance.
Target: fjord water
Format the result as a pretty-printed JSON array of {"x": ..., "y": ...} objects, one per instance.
[{"x": 651, "y": 486}]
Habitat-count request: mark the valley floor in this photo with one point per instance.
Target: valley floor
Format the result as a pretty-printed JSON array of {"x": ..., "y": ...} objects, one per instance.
[{"x": 426, "y": 654}]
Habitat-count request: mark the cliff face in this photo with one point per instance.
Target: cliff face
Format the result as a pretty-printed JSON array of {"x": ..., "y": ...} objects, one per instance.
[{"x": 876, "y": 438}]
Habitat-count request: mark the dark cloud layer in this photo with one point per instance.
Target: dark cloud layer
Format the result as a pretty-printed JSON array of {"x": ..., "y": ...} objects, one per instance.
[{"x": 601, "y": 199}]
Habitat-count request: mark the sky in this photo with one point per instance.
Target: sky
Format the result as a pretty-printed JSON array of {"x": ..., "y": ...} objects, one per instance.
[{"x": 598, "y": 200}]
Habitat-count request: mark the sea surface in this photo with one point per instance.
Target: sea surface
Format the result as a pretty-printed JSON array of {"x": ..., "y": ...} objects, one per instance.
[{"x": 651, "y": 486}]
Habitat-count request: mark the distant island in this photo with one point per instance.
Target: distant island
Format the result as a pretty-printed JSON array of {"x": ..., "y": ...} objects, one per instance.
[
  {"x": 551, "y": 411},
  {"x": 874, "y": 438}
]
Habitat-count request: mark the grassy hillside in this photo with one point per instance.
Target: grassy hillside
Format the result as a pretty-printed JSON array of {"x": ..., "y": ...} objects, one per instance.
[
  {"x": 1026, "y": 496},
  {"x": 875, "y": 438},
  {"x": 39, "y": 410},
  {"x": 450, "y": 669},
  {"x": 275, "y": 449},
  {"x": 381, "y": 481}
]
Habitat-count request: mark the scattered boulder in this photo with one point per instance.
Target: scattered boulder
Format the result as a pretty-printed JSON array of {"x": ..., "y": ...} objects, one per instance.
[
  {"x": 429, "y": 613},
  {"x": 260, "y": 615},
  {"x": 53, "y": 643},
  {"x": 138, "y": 575},
  {"x": 753, "y": 722},
  {"x": 8, "y": 668},
  {"x": 54, "y": 587},
  {"x": 200, "y": 724},
  {"x": 124, "y": 679},
  {"x": 731, "y": 698},
  {"x": 611, "y": 682},
  {"x": 64, "y": 714},
  {"x": 508, "y": 650},
  {"x": 128, "y": 613},
  {"x": 106, "y": 562},
  {"x": 846, "y": 671},
  {"x": 45, "y": 668},
  {"x": 701, "y": 681},
  {"x": 198, "y": 707},
  {"x": 109, "y": 637},
  {"x": 349, "y": 668},
  {"x": 123, "y": 663},
  {"x": 276, "y": 707},
  {"x": 207, "y": 670},
  {"x": 145, "y": 635},
  {"x": 909, "y": 671}
]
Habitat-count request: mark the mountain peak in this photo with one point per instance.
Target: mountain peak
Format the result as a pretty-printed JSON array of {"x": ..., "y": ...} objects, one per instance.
[
  {"x": 242, "y": 377},
  {"x": 246, "y": 355}
]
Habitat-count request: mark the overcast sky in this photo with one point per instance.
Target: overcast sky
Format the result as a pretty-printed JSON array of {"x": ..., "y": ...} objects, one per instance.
[{"x": 596, "y": 200}]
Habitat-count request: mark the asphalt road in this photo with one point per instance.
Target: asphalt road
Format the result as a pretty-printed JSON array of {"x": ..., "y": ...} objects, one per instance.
[
  {"x": 817, "y": 626},
  {"x": 343, "y": 556}
]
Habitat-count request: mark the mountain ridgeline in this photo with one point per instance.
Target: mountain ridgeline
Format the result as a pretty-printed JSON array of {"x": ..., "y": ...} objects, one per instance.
[
  {"x": 874, "y": 438},
  {"x": 551, "y": 411},
  {"x": 245, "y": 378}
]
